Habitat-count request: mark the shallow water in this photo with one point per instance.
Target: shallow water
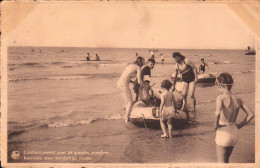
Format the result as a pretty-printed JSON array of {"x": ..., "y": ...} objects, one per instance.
[{"x": 57, "y": 102}]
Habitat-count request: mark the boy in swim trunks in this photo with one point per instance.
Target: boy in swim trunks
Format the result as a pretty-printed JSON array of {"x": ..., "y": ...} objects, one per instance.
[
  {"x": 145, "y": 71},
  {"x": 146, "y": 93},
  {"x": 227, "y": 108},
  {"x": 167, "y": 108}
]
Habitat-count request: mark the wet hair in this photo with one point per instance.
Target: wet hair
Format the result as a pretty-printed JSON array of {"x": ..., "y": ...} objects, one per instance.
[
  {"x": 166, "y": 84},
  {"x": 202, "y": 59},
  {"x": 177, "y": 54},
  {"x": 151, "y": 60},
  {"x": 139, "y": 61},
  {"x": 225, "y": 79}
]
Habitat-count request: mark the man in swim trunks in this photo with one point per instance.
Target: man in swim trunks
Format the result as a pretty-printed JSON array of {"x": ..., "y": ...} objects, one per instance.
[{"x": 145, "y": 70}]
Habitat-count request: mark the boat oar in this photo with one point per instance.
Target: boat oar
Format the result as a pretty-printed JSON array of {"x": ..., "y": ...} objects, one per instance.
[{"x": 144, "y": 120}]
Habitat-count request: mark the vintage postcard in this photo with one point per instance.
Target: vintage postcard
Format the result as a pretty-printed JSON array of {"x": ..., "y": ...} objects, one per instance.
[{"x": 129, "y": 84}]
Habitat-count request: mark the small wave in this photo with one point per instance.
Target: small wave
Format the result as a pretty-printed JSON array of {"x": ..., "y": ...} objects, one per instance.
[
  {"x": 242, "y": 92},
  {"x": 11, "y": 69},
  {"x": 67, "y": 66},
  {"x": 57, "y": 122},
  {"x": 244, "y": 72},
  {"x": 52, "y": 78},
  {"x": 206, "y": 101},
  {"x": 13, "y": 133},
  {"x": 56, "y": 63},
  {"x": 69, "y": 123},
  {"x": 30, "y": 63},
  {"x": 11, "y": 64},
  {"x": 112, "y": 65},
  {"x": 222, "y": 62}
]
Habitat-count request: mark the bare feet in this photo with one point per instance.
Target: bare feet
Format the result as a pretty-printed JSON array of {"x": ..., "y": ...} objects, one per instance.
[{"x": 164, "y": 136}]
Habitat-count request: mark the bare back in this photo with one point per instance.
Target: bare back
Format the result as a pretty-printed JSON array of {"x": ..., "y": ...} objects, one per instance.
[
  {"x": 230, "y": 108},
  {"x": 168, "y": 99},
  {"x": 129, "y": 72}
]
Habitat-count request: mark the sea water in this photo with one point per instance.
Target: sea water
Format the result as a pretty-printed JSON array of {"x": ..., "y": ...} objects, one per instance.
[{"x": 59, "y": 102}]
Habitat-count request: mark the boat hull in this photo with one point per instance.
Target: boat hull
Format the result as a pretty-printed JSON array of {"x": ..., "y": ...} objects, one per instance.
[
  {"x": 146, "y": 117},
  {"x": 206, "y": 78}
]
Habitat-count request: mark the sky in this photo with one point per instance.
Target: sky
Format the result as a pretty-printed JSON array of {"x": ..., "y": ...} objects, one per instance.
[{"x": 125, "y": 25}]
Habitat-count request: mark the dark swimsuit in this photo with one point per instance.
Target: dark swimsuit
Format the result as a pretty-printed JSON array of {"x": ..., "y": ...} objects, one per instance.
[
  {"x": 188, "y": 75},
  {"x": 202, "y": 67}
]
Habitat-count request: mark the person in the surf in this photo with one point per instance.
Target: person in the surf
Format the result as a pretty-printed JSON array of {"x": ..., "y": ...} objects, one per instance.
[
  {"x": 145, "y": 70},
  {"x": 162, "y": 58},
  {"x": 227, "y": 110},
  {"x": 202, "y": 67},
  {"x": 187, "y": 72},
  {"x": 152, "y": 54},
  {"x": 97, "y": 57},
  {"x": 131, "y": 71},
  {"x": 88, "y": 57}
]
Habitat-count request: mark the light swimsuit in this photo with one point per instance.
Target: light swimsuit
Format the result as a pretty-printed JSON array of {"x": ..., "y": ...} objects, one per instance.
[
  {"x": 227, "y": 135},
  {"x": 124, "y": 80},
  {"x": 168, "y": 112}
]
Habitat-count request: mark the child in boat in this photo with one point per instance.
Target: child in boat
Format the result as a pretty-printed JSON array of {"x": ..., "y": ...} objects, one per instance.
[
  {"x": 227, "y": 108},
  {"x": 146, "y": 95},
  {"x": 167, "y": 108}
]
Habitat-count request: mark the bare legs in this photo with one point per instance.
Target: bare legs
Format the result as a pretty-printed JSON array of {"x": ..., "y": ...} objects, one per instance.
[
  {"x": 164, "y": 135},
  {"x": 169, "y": 123},
  {"x": 128, "y": 102},
  {"x": 223, "y": 153},
  {"x": 191, "y": 88}
]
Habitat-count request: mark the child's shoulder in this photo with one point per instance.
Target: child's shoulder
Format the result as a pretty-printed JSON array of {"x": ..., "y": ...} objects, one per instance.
[{"x": 238, "y": 99}]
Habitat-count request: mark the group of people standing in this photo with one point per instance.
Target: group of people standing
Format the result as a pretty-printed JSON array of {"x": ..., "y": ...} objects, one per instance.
[{"x": 184, "y": 71}]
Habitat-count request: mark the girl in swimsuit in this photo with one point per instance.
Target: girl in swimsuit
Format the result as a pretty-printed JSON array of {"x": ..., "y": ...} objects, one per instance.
[
  {"x": 227, "y": 108},
  {"x": 131, "y": 71},
  {"x": 188, "y": 73},
  {"x": 167, "y": 108},
  {"x": 202, "y": 67}
]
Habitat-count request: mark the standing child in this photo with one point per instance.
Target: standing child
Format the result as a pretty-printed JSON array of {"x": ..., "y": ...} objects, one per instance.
[
  {"x": 203, "y": 65},
  {"x": 167, "y": 108},
  {"x": 227, "y": 108}
]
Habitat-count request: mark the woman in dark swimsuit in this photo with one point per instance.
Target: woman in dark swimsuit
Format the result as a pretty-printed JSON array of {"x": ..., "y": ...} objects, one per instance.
[{"x": 188, "y": 73}]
